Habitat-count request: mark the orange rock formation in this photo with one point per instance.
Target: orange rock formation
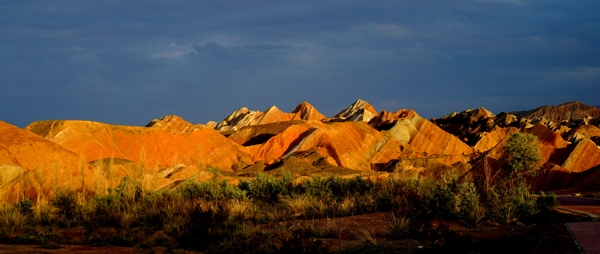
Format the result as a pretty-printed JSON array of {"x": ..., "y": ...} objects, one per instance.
[
  {"x": 174, "y": 124},
  {"x": 353, "y": 145},
  {"x": 427, "y": 139},
  {"x": 359, "y": 111},
  {"x": 152, "y": 147},
  {"x": 42, "y": 166},
  {"x": 244, "y": 117}
]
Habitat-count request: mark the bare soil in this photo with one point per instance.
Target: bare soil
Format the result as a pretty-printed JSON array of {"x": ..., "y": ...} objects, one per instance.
[{"x": 543, "y": 235}]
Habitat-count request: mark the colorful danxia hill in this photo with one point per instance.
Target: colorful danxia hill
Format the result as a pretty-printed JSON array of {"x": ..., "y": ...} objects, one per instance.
[{"x": 91, "y": 157}]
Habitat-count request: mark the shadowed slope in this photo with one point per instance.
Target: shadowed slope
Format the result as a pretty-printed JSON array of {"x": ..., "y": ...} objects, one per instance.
[
  {"x": 353, "y": 145},
  {"x": 567, "y": 111},
  {"x": 427, "y": 139}
]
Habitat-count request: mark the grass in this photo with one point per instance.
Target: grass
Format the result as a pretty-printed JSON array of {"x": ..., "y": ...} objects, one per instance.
[
  {"x": 328, "y": 229},
  {"x": 399, "y": 226},
  {"x": 217, "y": 216}
]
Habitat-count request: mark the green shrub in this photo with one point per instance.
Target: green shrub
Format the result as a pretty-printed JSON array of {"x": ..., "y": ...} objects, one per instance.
[
  {"x": 210, "y": 190},
  {"x": 508, "y": 204},
  {"x": 364, "y": 204},
  {"x": 358, "y": 185},
  {"x": 267, "y": 188},
  {"x": 317, "y": 187},
  {"x": 25, "y": 206},
  {"x": 521, "y": 158},
  {"x": 68, "y": 210},
  {"x": 547, "y": 202},
  {"x": 11, "y": 220},
  {"x": 130, "y": 189},
  {"x": 468, "y": 205}
]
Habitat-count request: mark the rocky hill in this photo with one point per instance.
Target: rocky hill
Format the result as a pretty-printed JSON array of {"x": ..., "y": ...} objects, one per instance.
[
  {"x": 357, "y": 141},
  {"x": 31, "y": 166},
  {"x": 570, "y": 111}
]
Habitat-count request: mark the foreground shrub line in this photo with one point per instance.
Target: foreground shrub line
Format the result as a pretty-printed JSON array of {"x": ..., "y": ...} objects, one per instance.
[{"x": 216, "y": 215}]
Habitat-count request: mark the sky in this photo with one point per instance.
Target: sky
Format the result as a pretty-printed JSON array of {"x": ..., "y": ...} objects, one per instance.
[{"x": 128, "y": 62}]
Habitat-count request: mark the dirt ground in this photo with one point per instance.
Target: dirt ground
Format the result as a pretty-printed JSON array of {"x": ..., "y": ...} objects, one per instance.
[{"x": 546, "y": 235}]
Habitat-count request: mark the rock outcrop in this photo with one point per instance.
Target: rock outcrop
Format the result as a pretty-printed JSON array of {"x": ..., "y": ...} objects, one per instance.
[
  {"x": 353, "y": 145},
  {"x": 244, "y": 117},
  {"x": 95, "y": 156},
  {"x": 174, "y": 124},
  {"x": 585, "y": 155},
  {"x": 306, "y": 111},
  {"x": 151, "y": 147},
  {"x": 472, "y": 124},
  {"x": 565, "y": 112},
  {"x": 359, "y": 111},
  {"x": 386, "y": 120},
  {"x": 581, "y": 132},
  {"x": 489, "y": 140},
  {"x": 33, "y": 166},
  {"x": 428, "y": 140}
]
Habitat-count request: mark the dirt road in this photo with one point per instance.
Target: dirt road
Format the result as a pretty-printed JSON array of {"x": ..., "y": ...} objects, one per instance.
[{"x": 587, "y": 205}]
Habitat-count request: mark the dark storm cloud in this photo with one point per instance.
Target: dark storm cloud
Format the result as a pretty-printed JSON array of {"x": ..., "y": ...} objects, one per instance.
[{"x": 129, "y": 62}]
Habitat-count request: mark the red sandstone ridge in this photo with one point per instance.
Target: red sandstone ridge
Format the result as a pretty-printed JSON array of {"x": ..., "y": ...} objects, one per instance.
[
  {"x": 565, "y": 112},
  {"x": 174, "y": 124},
  {"x": 489, "y": 140},
  {"x": 472, "y": 124},
  {"x": 305, "y": 111},
  {"x": 353, "y": 145},
  {"x": 581, "y": 132},
  {"x": 244, "y": 117},
  {"x": 385, "y": 120},
  {"x": 549, "y": 140},
  {"x": 585, "y": 155},
  {"x": 427, "y": 139},
  {"x": 259, "y": 134},
  {"x": 35, "y": 164},
  {"x": 152, "y": 147}
]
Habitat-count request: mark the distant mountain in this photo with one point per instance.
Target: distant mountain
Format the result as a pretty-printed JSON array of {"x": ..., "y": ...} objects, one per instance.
[{"x": 567, "y": 111}]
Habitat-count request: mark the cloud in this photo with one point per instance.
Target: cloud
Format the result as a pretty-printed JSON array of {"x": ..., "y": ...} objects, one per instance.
[
  {"x": 204, "y": 59},
  {"x": 588, "y": 73},
  {"x": 386, "y": 30}
]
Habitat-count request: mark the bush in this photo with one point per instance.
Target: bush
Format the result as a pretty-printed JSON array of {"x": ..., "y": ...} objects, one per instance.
[
  {"x": 317, "y": 187},
  {"x": 25, "y": 206},
  {"x": 67, "y": 208},
  {"x": 11, "y": 220},
  {"x": 521, "y": 158},
  {"x": 547, "y": 202},
  {"x": 469, "y": 207},
  {"x": 267, "y": 188},
  {"x": 508, "y": 204},
  {"x": 210, "y": 190}
]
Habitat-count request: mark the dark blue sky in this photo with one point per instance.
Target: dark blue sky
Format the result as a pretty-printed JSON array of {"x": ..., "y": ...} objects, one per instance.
[{"x": 125, "y": 62}]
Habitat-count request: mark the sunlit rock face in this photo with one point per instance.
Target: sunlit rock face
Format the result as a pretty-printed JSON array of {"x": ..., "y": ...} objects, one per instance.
[
  {"x": 92, "y": 157},
  {"x": 175, "y": 125},
  {"x": 353, "y": 145},
  {"x": 359, "y": 111},
  {"x": 151, "y": 147},
  {"x": 32, "y": 166},
  {"x": 244, "y": 117}
]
